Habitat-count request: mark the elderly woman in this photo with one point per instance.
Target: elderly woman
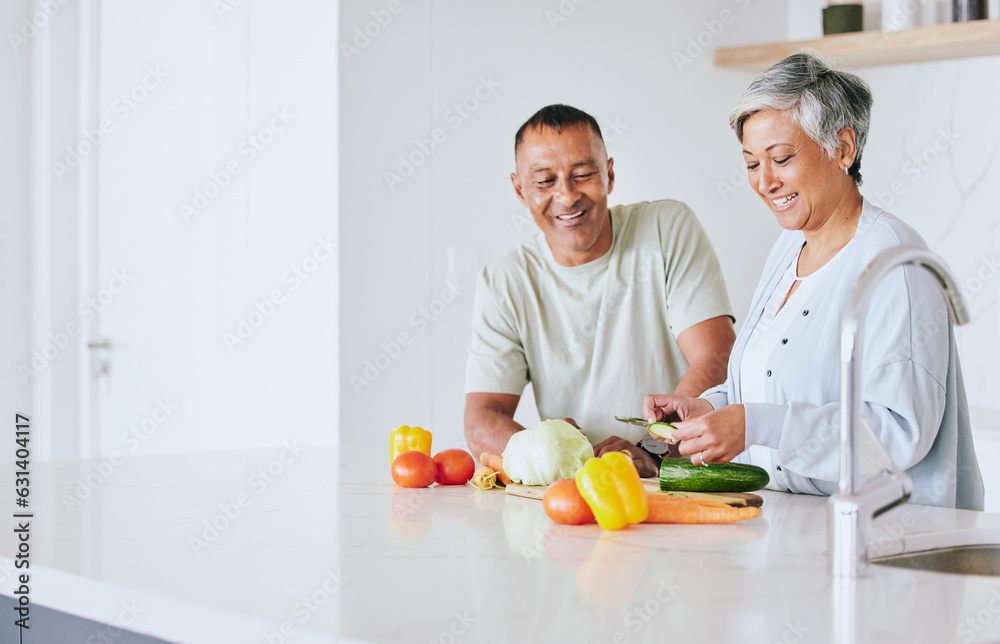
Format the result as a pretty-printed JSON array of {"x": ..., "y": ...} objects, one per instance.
[{"x": 803, "y": 128}]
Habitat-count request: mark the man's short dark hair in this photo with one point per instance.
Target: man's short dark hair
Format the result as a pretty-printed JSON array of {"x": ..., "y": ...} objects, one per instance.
[{"x": 557, "y": 117}]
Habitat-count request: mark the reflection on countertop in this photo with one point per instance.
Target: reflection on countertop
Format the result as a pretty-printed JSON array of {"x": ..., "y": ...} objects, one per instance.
[{"x": 327, "y": 549}]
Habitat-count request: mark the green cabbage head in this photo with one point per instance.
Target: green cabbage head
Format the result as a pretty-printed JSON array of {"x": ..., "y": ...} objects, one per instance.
[{"x": 546, "y": 453}]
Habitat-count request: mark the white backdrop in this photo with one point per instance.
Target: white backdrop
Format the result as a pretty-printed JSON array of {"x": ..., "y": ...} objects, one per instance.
[
  {"x": 135, "y": 126},
  {"x": 638, "y": 67}
]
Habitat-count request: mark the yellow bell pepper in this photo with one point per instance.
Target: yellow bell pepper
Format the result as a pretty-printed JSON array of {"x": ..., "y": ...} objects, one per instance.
[
  {"x": 612, "y": 488},
  {"x": 408, "y": 439}
]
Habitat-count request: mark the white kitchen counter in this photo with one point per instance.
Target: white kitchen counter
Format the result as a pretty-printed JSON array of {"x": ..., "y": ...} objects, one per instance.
[{"x": 385, "y": 564}]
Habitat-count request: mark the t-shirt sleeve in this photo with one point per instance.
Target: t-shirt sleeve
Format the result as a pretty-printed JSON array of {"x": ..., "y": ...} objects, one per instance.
[
  {"x": 696, "y": 290},
  {"x": 497, "y": 363}
]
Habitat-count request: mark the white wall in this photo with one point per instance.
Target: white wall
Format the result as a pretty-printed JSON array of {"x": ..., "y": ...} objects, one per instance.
[
  {"x": 228, "y": 66},
  {"x": 14, "y": 222},
  {"x": 665, "y": 125},
  {"x": 246, "y": 70},
  {"x": 933, "y": 158},
  {"x": 615, "y": 60}
]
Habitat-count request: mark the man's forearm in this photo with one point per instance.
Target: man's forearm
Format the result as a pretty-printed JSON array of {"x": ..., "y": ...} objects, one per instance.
[
  {"x": 488, "y": 430},
  {"x": 699, "y": 378},
  {"x": 706, "y": 346}
]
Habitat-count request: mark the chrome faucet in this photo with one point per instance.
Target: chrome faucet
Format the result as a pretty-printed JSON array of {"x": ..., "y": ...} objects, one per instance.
[{"x": 851, "y": 510}]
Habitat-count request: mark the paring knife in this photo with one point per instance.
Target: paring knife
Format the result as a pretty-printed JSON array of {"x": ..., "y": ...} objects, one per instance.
[
  {"x": 642, "y": 422},
  {"x": 631, "y": 420}
]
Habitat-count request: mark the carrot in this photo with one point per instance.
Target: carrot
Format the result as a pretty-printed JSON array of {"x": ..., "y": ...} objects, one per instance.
[
  {"x": 495, "y": 462},
  {"x": 483, "y": 479},
  {"x": 664, "y": 508},
  {"x": 655, "y": 497}
]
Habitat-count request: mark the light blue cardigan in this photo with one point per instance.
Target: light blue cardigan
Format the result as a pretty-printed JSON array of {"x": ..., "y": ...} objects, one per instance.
[{"x": 912, "y": 387}]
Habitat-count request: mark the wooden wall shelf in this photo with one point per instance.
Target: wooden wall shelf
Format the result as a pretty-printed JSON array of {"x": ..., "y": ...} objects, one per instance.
[{"x": 867, "y": 48}]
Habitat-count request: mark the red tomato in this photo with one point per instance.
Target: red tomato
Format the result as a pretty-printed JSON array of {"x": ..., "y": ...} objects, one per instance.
[
  {"x": 454, "y": 467},
  {"x": 413, "y": 469},
  {"x": 564, "y": 504}
]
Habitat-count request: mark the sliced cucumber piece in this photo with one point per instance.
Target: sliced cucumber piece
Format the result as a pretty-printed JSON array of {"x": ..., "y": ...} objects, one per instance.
[{"x": 663, "y": 430}]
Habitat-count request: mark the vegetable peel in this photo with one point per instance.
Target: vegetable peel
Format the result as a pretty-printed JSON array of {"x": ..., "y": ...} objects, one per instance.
[{"x": 485, "y": 478}]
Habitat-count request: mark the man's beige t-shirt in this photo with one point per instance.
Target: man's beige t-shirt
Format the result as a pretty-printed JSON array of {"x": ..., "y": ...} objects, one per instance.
[{"x": 594, "y": 339}]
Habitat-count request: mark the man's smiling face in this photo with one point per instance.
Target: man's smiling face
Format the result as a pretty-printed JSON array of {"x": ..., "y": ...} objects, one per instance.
[{"x": 564, "y": 179}]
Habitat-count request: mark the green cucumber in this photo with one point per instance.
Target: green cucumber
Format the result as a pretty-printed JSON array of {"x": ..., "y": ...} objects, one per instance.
[
  {"x": 663, "y": 430},
  {"x": 681, "y": 475}
]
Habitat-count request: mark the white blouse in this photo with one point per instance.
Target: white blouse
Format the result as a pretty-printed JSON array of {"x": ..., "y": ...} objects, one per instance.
[
  {"x": 778, "y": 314},
  {"x": 914, "y": 396}
]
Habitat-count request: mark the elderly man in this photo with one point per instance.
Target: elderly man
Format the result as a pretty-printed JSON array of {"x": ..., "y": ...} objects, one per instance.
[{"x": 578, "y": 310}]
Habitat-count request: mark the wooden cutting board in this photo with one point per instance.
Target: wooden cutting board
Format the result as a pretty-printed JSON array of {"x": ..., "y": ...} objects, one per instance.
[{"x": 735, "y": 499}]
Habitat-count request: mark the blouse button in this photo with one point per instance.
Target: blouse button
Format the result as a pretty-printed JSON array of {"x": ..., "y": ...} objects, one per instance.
[
  {"x": 806, "y": 312},
  {"x": 784, "y": 340},
  {"x": 768, "y": 373},
  {"x": 778, "y": 468}
]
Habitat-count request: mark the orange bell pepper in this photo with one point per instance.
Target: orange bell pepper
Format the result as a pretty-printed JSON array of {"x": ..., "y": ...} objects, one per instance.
[
  {"x": 408, "y": 439},
  {"x": 612, "y": 488}
]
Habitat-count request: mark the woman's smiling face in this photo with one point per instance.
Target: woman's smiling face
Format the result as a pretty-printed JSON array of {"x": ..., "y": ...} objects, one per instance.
[{"x": 792, "y": 174}]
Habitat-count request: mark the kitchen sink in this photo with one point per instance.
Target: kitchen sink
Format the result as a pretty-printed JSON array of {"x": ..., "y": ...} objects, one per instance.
[
  {"x": 961, "y": 560},
  {"x": 973, "y": 551}
]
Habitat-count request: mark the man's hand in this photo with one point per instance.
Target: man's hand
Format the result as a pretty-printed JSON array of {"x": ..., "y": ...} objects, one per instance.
[
  {"x": 489, "y": 421},
  {"x": 644, "y": 462},
  {"x": 573, "y": 423},
  {"x": 715, "y": 437}
]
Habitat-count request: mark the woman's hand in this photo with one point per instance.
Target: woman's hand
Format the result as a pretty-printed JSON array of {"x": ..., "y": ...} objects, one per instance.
[
  {"x": 716, "y": 437},
  {"x": 669, "y": 408}
]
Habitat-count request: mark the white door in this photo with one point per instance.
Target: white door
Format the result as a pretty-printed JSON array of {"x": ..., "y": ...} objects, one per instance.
[{"x": 213, "y": 245}]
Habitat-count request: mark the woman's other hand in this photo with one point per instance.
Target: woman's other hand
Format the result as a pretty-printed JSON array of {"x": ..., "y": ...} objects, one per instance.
[{"x": 716, "y": 437}]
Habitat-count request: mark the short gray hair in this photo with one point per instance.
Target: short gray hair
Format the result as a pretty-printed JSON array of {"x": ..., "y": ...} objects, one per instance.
[{"x": 821, "y": 100}]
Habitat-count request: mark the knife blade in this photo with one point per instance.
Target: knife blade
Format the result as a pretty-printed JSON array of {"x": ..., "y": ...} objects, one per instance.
[
  {"x": 631, "y": 420},
  {"x": 642, "y": 422}
]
